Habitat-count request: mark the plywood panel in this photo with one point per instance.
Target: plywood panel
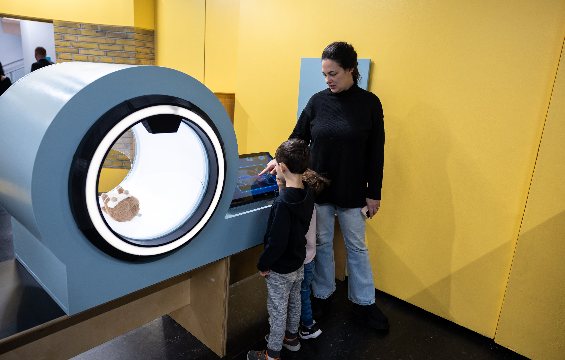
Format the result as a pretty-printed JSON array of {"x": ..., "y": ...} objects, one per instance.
[
  {"x": 197, "y": 300},
  {"x": 206, "y": 315},
  {"x": 228, "y": 100},
  {"x": 69, "y": 336},
  {"x": 532, "y": 320},
  {"x": 244, "y": 264}
]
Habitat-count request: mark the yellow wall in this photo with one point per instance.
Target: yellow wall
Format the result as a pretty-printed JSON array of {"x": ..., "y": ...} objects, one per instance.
[
  {"x": 144, "y": 14},
  {"x": 222, "y": 24},
  {"x": 109, "y": 12},
  {"x": 532, "y": 321},
  {"x": 179, "y": 35},
  {"x": 110, "y": 178},
  {"x": 465, "y": 88}
]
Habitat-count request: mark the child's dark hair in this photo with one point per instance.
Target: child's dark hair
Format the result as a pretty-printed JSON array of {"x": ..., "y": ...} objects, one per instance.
[
  {"x": 344, "y": 55},
  {"x": 295, "y": 154},
  {"x": 316, "y": 181}
]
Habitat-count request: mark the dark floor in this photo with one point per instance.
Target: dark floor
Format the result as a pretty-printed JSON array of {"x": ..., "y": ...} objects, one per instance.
[{"x": 414, "y": 333}]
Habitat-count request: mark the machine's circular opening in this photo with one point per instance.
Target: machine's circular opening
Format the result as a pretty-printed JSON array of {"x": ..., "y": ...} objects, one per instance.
[
  {"x": 175, "y": 164},
  {"x": 170, "y": 192}
]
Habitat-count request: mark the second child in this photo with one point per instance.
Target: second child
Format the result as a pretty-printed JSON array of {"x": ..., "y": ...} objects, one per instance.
[{"x": 308, "y": 328}]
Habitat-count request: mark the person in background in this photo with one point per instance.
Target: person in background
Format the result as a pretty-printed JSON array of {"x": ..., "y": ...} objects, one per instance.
[
  {"x": 40, "y": 56},
  {"x": 282, "y": 260},
  {"x": 344, "y": 126},
  {"x": 5, "y": 81}
]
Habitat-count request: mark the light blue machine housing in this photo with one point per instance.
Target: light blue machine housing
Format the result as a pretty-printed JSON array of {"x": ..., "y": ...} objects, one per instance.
[{"x": 56, "y": 127}]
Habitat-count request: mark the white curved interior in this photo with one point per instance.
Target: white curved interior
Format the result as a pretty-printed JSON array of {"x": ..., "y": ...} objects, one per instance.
[
  {"x": 169, "y": 177},
  {"x": 168, "y": 190}
]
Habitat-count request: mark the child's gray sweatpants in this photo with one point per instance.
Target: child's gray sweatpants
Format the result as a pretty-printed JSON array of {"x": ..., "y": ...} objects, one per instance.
[{"x": 283, "y": 304}]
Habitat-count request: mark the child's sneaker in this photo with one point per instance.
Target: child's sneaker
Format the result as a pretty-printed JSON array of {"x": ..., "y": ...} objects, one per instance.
[
  {"x": 292, "y": 345},
  {"x": 258, "y": 355},
  {"x": 309, "y": 332}
]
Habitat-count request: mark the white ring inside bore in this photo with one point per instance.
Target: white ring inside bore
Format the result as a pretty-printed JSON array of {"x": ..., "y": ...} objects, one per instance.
[{"x": 99, "y": 157}]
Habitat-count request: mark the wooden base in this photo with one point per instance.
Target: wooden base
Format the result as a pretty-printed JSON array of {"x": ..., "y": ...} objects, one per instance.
[
  {"x": 196, "y": 299},
  {"x": 206, "y": 315}
]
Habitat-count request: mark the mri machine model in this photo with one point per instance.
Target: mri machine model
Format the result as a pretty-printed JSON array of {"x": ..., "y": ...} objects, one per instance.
[{"x": 58, "y": 124}]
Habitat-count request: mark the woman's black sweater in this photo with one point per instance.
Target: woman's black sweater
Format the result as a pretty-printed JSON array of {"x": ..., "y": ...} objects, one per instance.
[{"x": 346, "y": 135}]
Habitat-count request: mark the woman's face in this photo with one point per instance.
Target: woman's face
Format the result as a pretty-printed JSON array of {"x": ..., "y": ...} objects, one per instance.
[{"x": 337, "y": 78}]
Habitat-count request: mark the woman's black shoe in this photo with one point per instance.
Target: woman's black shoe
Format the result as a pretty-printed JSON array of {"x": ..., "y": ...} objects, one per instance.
[
  {"x": 373, "y": 315},
  {"x": 321, "y": 307}
]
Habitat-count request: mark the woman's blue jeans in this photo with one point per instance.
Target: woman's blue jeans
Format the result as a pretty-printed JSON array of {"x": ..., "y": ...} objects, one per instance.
[{"x": 360, "y": 275}]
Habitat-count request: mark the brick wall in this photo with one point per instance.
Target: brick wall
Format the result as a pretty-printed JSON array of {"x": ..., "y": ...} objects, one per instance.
[
  {"x": 122, "y": 153},
  {"x": 101, "y": 43}
]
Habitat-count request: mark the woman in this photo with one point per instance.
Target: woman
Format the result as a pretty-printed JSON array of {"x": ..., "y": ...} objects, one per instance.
[
  {"x": 5, "y": 82},
  {"x": 345, "y": 129}
]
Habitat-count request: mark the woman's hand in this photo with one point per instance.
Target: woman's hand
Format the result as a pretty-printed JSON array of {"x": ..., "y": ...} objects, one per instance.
[
  {"x": 264, "y": 273},
  {"x": 373, "y": 206},
  {"x": 271, "y": 168}
]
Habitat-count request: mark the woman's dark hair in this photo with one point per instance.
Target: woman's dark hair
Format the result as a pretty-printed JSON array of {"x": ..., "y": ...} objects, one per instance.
[
  {"x": 344, "y": 55},
  {"x": 316, "y": 181},
  {"x": 1, "y": 70},
  {"x": 295, "y": 154}
]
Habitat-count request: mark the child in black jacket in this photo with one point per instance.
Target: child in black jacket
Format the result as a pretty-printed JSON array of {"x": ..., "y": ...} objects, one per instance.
[{"x": 285, "y": 249}]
